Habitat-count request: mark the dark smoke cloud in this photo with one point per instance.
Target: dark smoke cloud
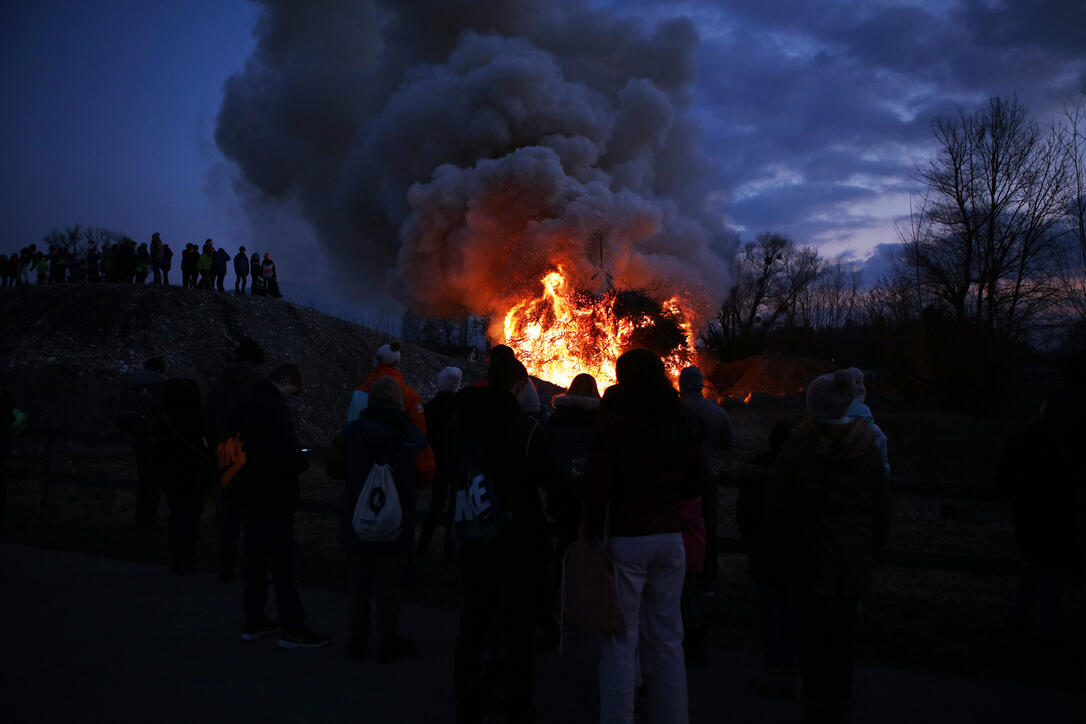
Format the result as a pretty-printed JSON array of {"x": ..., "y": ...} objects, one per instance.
[{"x": 460, "y": 149}]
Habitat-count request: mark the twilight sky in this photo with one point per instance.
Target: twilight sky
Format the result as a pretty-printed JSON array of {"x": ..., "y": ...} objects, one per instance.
[{"x": 810, "y": 114}]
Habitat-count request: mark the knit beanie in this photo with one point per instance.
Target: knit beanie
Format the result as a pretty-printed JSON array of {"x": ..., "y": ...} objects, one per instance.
[
  {"x": 829, "y": 396},
  {"x": 449, "y": 379},
  {"x": 386, "y": 391},
  {"x": 388, "y": 354},
  {"x": 858, "y": 376},
  {"x": 691, "y": 381}
]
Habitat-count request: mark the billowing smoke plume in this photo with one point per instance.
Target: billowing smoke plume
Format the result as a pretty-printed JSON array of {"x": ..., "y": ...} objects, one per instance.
[{"x": 459, "y": 150}]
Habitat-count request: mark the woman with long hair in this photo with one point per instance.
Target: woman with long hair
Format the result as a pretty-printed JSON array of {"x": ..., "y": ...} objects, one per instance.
[{"x": 647, "y": 458}]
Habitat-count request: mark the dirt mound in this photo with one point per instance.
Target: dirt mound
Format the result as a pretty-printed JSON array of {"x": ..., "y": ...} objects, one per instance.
[
  {"x": 68, "y": 351},
  {"x": 764, "y": 374}
]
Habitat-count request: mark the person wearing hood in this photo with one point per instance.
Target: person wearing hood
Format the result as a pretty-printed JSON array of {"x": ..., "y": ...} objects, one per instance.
[
  {"x": 228, "y": 393},
  {"x": 437, "y": 413},
  {"x": 646, "y": 460},
  {"x": 382, "y": 434},
  {"x": 824, "y": 524},
  {"x": 858, "y": 410},
  {"x": 503, "y": 577}
]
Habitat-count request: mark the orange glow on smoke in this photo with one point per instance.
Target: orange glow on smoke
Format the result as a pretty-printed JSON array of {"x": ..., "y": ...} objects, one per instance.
[{"x": 562, "y": 332}]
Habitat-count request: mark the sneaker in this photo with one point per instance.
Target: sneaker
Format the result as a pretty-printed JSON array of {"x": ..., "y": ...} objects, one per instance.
[
  {"x": 394, "y": 649},
  {"x": 259, "y": 630},
  {"x": 306, "y": 638}
]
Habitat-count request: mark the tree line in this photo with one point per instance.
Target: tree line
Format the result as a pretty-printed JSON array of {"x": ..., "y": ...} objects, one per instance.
[{"x": 991, "y": 268}]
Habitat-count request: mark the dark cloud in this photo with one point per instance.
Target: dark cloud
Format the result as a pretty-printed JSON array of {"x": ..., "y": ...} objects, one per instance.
[
  {"x": 805, "y": 118},
  {"x": 467, "y": 150}
]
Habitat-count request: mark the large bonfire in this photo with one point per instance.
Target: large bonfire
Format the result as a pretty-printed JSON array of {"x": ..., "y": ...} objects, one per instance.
[{"x": 560, "y": 331}]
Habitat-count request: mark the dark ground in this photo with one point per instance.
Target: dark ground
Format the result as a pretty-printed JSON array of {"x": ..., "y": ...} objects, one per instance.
[{"x": 92, "y": 639}]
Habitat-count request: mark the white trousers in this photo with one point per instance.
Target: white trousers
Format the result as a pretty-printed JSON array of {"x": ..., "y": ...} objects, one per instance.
[{"x": 649, "y": 574}]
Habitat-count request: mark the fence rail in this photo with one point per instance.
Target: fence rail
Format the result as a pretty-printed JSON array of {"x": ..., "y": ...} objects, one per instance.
[{"x": 919, "y": 560}]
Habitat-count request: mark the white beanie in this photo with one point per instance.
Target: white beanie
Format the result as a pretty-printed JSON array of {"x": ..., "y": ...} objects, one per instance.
[
  {"x": 449, "y": 379},
  {"x": 388, "y": 354}
]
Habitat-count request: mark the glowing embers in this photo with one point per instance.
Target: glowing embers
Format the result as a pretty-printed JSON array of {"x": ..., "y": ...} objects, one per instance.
[{"x": 564, "y": 332}]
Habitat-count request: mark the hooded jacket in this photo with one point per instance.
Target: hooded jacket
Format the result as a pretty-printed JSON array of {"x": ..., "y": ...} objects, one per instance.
[
  {"x": 387, "y": 436},
  {"x": 412, "y": 405},
  {"x": 827, "y": 509}
]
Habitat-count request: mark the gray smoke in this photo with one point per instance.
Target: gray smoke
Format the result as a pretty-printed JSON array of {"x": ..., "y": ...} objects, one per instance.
[{"x": 456, "y": 151}]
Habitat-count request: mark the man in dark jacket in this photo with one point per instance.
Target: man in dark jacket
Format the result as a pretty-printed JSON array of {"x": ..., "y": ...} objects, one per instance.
[
  {"x": 825, "y": 520},
  {"x": 267, "y": 486},
  {"x": 241, "y": 271},
  {"x": 228, "y": 394},
  {"x": 382, "y": 434},
  {"x": 502, "y": 577}
]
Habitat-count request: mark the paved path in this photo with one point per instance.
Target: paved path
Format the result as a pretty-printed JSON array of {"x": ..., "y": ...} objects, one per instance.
[{"x": 92, "y": 639}]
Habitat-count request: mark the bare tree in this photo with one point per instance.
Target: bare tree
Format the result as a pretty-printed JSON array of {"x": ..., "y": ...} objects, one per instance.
[
  {"x": 1072, "y": 134},
  {"x": 988, "y": 244}
]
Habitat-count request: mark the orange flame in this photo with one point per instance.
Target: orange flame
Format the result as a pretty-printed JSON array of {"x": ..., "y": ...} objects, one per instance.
[
  {"x": 562, "y": 333},
  {"x": 746, "y": 400}
]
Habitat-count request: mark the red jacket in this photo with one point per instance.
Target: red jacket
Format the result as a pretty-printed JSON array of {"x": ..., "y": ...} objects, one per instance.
[{"x": 412, "y": 405}]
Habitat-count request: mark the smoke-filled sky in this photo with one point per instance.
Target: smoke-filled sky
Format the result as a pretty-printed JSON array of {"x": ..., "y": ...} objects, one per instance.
[{"x": 430, "y": 142}]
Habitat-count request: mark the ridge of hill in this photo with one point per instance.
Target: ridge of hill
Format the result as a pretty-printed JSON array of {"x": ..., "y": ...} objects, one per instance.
[{"x": 66, "y": 352}]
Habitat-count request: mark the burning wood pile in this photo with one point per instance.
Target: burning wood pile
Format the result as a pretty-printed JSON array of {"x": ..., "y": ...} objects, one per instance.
[{"x": 562, "y": 331}]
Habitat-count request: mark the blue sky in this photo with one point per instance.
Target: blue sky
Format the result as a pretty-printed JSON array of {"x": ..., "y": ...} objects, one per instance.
[{"x": 811, "y": 114}]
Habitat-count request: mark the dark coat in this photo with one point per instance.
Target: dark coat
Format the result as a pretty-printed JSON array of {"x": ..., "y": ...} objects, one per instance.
[
  {"x": 187, "y": 463},
  {"x": 386, "y": 436},
  {"x": 219, "y": 262},
  {"x": 228, "y": 393},
  {"x": 267, "y": 485},
  {"x": 517, "y": 451},
  {"x": 827, "y": 509},
  {"x": 241, "y": 264},
  {"x": 572, "y": 427},
  {"x": 1037, "y": 473},
  {"x": 643, "y": 463},
  {"x": 438, "y": 414}
]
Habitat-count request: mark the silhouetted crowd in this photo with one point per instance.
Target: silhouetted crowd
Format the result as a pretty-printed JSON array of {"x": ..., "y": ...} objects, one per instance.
[
  {"x": 125, "y": 262},
  {"x": 540, "y": 505}
]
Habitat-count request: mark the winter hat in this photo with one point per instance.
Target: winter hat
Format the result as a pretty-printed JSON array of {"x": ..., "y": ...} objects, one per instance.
[
  {"x": 388, "y": 354},
  {"x": 449, "y": 379},
  {"x": 829, "y": 396},
  {"x": 691, "y": 381},
  {"x": 386, "y": 391},
  {"x": 858, "y": 376}
]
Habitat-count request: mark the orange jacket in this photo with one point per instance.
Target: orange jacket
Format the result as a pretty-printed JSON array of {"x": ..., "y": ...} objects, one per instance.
[{"x": 412, "y": 405}]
